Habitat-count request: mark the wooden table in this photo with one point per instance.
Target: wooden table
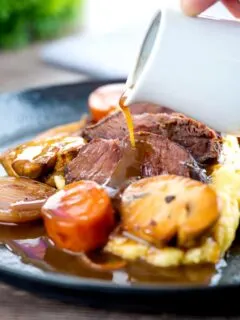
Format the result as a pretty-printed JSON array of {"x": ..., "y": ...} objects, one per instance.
[
  {"x": 21, "y": 70},
  {"x": 19, "y": 305},
  {"x": 24, "y": 69}
]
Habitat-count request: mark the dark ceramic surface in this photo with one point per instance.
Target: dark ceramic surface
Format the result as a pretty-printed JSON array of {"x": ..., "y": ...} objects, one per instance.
[{"x": 27, "y": 113}]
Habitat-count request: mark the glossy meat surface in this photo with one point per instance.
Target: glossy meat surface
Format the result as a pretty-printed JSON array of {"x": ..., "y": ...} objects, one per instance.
[
  {"x": 113, "y": 162},
  {"x": 203, "y": 143}
]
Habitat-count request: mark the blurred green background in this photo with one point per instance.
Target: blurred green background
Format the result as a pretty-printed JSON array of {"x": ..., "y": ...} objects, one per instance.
[{"x": 25, "y": 21}]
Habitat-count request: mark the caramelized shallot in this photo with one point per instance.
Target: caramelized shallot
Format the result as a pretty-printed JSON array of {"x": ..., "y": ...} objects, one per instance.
[{"x": 21, "y": 199}]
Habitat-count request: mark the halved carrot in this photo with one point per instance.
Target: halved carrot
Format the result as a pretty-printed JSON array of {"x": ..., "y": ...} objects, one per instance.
[
  {"x": 80, "y": 217},
  {"x": 104, "y": 100}
]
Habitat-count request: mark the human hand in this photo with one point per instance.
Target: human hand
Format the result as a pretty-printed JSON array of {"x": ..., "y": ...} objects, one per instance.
[{"x": 195, "y": 7}]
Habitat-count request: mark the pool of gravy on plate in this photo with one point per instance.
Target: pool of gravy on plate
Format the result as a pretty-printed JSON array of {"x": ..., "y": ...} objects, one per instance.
[{"x": 29, "y": 243}]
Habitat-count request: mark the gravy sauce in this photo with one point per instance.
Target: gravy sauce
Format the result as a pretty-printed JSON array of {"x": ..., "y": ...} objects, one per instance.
[
  {"x": 129, "y": 167},
  {"x": 127, "y": 114},
  {"x": 30, "y": 244}
]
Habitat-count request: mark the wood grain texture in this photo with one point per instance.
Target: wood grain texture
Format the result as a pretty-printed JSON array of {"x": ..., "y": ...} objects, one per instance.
[{"x": 19, "y": 305}]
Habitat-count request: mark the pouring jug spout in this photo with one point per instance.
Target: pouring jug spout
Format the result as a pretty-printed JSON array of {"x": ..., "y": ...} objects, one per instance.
[{"x": 191, "y": 65}]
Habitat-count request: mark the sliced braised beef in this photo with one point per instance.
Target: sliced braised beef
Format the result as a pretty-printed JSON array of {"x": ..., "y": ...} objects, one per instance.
[
  {"x": 95, "y": 161},
  {"x": 203, "y": 143},
  {"x": 111, "y": 127},
  {"x": 114, "y": 162},
  {"x": 163, "y": 156}
]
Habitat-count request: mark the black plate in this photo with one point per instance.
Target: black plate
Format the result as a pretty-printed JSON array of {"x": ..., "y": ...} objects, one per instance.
[{"x": 22, "y": 116}]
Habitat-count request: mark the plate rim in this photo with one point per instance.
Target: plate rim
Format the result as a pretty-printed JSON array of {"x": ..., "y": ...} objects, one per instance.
[
  {"x": 78, "y": 283},
  {"x": 61, "y": 280}
]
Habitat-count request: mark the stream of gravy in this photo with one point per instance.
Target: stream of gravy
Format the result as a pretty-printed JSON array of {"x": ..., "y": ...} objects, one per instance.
[{"x": 127, "y": 114}]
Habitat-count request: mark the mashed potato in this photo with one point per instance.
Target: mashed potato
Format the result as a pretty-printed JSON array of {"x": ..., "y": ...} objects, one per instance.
[{"x": 226, "y": 182}]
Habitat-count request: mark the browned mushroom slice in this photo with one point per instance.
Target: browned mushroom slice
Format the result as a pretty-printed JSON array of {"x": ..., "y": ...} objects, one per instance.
[
  {"x": 161, "y": 208},
  {"x": 21, "y": 199},
  {"x": 36, "y": 159}
]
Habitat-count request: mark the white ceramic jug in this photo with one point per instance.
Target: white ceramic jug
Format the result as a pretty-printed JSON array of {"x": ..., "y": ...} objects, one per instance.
[{"x": 191, "y": 65}]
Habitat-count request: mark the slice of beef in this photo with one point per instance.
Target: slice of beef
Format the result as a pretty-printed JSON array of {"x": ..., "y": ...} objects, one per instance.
[
  {"x": 163, "y": 156},
  {"x": 111, "y": 127},
  {"x": 95, "y": 161},
  {"x": 145, "y": 107},
  {"x": 203, "y": 143},
  {"x": 115, "y": 163}
]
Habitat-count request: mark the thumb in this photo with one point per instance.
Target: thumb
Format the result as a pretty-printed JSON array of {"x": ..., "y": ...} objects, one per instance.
[
  {"x": 233, "y": 6},
  {"x": 195, "y": 7}
]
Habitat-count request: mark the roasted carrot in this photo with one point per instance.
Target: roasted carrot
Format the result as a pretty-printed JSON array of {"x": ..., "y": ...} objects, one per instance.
[
  {"x": 104, "y": 100},
  {"x": 80, "y": 217}
]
